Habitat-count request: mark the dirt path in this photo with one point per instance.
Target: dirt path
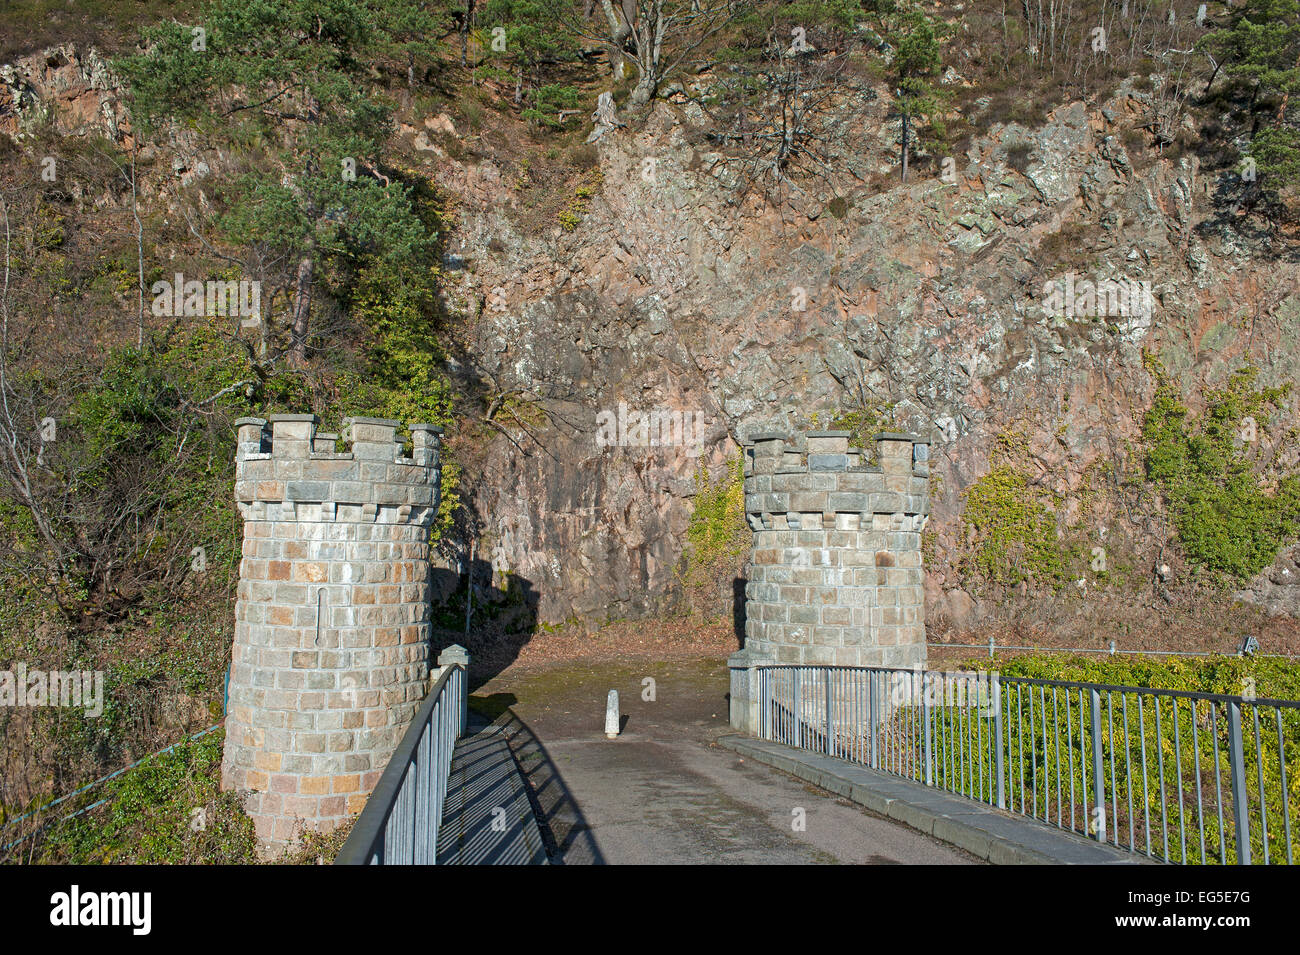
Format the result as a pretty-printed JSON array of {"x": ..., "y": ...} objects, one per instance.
[{"x": 663, "y": 792}]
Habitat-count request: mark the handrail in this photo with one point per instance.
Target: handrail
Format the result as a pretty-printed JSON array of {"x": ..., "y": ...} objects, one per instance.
[
  {"x": 1041, "y": 681},
  {"x": 412, "y": 787},
  {"x": 1174, "y": 775}
]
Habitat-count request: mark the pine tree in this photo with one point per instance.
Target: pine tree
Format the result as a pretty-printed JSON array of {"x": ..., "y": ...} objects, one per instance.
[
  {"x": 1259, "y": 49},
  {"x": 285, "y": 84}
]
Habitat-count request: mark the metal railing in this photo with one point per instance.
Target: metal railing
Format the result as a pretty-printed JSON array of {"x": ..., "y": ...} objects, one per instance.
[
  {"x": 400, "y": 822},
  {"x": 1111, "y": 649},
  {"x": 1173, "y": 775}
]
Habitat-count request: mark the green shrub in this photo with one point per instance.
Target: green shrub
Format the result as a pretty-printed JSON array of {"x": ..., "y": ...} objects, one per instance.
[
  {"x": 167, "y": 810},
  {"x": 717, "y": 533},
  {"x": 1009, "y": 528},
  {"x": 546, "y": 102},
  {"x": 1231, "y": 519}
]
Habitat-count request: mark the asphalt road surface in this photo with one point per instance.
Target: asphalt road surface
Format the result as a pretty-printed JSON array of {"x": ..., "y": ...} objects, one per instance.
[{"x": 663, "y": 792}]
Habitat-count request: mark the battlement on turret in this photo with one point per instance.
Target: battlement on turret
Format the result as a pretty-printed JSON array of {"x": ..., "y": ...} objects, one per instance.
[
  {"x": 823, "y": 482},
  {"x": 284, "y": 462}
]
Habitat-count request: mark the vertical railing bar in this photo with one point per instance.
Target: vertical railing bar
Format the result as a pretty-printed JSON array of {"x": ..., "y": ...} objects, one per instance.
[
  {"x": 963, "y": 716},
  {"x": 971, "y": 729},
  {"x": 1178, "y": 789},
  {"x": 928, "y": 743},
  {"x": 1020, "y": 744},
  {"x": 798, "y": 710},
  {"x": 1160, "y": 762},
  {"x": 826, "y": 688},
  {"x": 1259, "y": 763},
  {"x": 1033, "y": 751},
  {"x": 1098, "y": 765},
  {"x": 1056, "y": 733},
  {"x": 1047, "y": 775},
  {"x": 1218, "y": 783},
  {"x": 947, "y": 724},
  {"x": 894, "y": 724},
  {"x": 977, "y": 717},
  {"x": 424, "y": 798},
  {"x": 914, "y": 744},
  {"x": 995, "y": 688},
  {"x": 859, "y": 741},
  {"x": 1281, "y": 754},
  {"x": 1069, "y": 748},
  {"x": 1114, "y": 791},
  {"x": 974, "y": 744},
  {"x": 871, "y": 714},
  {"x": 1196, "y": 757},
  {"x": 1128, "y": 771},
  {"x": 1146, "y": 797},
  {"x": 1240, "y": 806},
  {"x": 979, "y": 737}
]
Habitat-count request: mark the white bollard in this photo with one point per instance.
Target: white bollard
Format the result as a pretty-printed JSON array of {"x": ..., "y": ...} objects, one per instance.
[{"x": 611, "y": 715}]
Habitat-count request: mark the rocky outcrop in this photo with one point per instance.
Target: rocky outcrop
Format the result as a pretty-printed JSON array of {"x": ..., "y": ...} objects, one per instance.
[
  {"x": 76, "y": 90},
  {"x": 926, "y": 298}
]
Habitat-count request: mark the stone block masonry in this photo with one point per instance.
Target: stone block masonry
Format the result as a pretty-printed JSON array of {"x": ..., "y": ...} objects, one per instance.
[
  {"x": 835, "y": 574},
  {"x": 332, "y": 626}
]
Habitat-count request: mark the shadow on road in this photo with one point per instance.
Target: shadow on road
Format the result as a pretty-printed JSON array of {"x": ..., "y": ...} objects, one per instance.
[{"x": 565, "y": 833}]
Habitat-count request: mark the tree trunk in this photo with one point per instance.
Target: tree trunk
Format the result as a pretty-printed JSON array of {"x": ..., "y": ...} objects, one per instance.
[
  {"x": 301, "y": 313},
  {"x": 464, "y": 32},
  {"x": 905, "y": 117},
  {"x": 644, "y": 91},
  {"x": 1286, "y": 97},
  {"x": 620, "y": 28}
]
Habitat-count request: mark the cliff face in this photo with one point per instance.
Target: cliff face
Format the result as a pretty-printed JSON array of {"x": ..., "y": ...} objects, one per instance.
[
  {"x": 925, "y": 299},
  {"x": 675, "y": 293},
  {"x": 75, "y": 89}
]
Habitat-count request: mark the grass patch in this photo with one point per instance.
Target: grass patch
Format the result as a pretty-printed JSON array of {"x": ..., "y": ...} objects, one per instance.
[{"x": 167, "y": 810}]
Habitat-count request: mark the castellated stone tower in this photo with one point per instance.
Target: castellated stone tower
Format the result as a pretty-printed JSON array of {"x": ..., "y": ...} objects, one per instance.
[
  {"x": 836, "y": 570},
  {"x": 331, "y": 650}
]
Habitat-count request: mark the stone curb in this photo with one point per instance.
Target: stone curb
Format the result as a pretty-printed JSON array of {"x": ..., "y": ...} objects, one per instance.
[{"x": 987, "y": 833}]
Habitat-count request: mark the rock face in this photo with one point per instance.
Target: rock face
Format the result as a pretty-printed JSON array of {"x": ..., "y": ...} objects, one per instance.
[
  {"x": 835, "y": 578},
  {"x": 75, "y": 89},
  {"x": 926, "y": 299},
  {"x": 680, "y": 291},
  {"x": 1278, "y": 587}
]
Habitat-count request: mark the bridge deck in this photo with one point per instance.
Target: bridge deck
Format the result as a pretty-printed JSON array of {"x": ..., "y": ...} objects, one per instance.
[
  {"x": 487, "y": 819},
  {"x": 663, "y": 792}
]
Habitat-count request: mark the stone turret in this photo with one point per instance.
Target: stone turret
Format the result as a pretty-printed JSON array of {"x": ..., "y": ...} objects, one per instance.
[
  {"x": 331, "y": 649},
  {"x": 836, "y": 570}
]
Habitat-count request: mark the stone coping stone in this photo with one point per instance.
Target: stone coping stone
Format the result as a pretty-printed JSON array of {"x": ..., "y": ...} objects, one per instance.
[
  {"x": 996, "y": 836},
  {"x": 860, "y": 469},
  {"x": 901, "y": 436},
  {"x": 382, "y": 422},
  {"x": 768, "y": 436},
  {"x": 291, "y": 417}
]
